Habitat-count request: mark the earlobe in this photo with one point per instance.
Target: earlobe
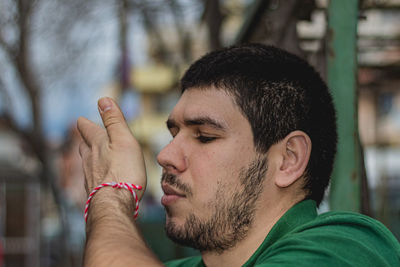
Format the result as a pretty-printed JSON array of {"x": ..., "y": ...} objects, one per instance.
[{"x": 295, "y": 149}]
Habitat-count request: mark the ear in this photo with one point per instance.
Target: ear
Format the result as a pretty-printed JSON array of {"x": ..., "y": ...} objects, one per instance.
[{"x": 295, "y": 150}]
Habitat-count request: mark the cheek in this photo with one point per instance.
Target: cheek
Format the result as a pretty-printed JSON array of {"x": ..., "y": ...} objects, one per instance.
[
  {"x": 232, "y": 157},
  {"x": 205, "y": 172},
  {"x": 218, "y": 166}
]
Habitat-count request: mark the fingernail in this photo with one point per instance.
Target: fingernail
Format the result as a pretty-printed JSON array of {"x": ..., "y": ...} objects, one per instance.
[{"x": 105, "y": 104}]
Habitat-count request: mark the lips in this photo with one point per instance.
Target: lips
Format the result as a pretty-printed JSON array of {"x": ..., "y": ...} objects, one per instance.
[
  {"x": 169, "y": 190},
  {"x": 171, "y": 195}
]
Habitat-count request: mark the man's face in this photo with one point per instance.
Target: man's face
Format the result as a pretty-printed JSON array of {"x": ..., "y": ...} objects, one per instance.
[{"x": 212, "y": 176}]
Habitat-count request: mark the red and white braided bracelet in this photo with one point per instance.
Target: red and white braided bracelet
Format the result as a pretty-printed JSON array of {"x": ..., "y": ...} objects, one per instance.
[{"x": 128, "y": 186}]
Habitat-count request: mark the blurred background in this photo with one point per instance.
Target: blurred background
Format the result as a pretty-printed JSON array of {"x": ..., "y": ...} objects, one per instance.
[{"x": 58, "y": 57}]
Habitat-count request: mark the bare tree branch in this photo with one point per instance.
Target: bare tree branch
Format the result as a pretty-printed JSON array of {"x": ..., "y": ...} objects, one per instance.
[
  {"x": 5, "y": 96},
  {"x": 213, "y": 17},
  {"x": 5, "y": 46},
  {"x": 152, "y": 28},
  {"x": 184, "y": 37},
  {"x": 124, "y": 66},
  {"x": 19, "y": 50}
]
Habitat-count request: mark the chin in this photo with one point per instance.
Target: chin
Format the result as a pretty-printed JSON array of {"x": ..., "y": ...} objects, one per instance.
[
  {"x": 174, "y": 220},
  {"x": 176, "y": 232}
]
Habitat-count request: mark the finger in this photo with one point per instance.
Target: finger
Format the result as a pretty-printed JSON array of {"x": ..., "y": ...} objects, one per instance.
[
  {"x": 113, "y": 120},
  {"x": 89, "y": 130},
  {"x": 83, "y": 149},
  {"x": 86, "y": 186}
]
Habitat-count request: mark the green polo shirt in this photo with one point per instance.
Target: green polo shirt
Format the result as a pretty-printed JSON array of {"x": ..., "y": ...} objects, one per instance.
[{"x": 304, "y": 238}]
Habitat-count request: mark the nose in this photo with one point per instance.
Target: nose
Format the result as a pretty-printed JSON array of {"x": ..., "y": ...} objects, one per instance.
[{"x": 172, "y": 157}]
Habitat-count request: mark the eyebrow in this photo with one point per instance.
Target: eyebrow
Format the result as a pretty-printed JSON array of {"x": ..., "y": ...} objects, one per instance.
[{"x": 198, "y": 121}]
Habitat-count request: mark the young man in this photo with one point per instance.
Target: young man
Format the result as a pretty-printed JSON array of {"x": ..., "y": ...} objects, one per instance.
[{"x": 253, "y": 144}]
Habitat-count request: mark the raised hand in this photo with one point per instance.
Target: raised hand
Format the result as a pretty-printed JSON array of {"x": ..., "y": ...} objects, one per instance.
[{"x": 111, "y": 154}]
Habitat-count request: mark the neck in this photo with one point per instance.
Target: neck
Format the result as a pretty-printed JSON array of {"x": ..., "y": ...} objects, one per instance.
[{"x": 243, "y": 250}]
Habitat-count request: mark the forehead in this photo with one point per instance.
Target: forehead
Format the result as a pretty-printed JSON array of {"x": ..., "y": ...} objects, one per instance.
[{"x": 213, "y": 103}]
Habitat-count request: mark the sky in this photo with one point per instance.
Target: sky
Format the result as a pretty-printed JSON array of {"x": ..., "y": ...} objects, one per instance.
[
  {"x": 73, "y": 80},
  {"x": 71, "y": 91}
]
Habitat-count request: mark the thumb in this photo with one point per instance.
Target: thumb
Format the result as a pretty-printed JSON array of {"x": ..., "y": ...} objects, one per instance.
[{"x": 113, "y": 120}]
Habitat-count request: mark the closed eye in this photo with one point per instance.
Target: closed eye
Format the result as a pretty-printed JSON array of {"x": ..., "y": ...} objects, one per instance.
[{"x": 205, "y": 139}]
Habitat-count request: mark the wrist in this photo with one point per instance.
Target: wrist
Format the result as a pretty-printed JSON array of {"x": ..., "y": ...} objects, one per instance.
[{"x": 111, "y": 201}]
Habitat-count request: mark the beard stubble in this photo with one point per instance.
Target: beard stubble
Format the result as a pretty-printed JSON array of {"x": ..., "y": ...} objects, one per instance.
[{"x": 231, "y": 217}]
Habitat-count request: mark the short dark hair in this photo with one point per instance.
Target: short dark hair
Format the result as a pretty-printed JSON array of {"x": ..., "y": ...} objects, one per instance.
[{"x": 278, "y": 93}]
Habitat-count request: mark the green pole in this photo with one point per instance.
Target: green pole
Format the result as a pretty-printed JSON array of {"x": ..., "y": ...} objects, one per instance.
[{"x": 342, "y": 80}]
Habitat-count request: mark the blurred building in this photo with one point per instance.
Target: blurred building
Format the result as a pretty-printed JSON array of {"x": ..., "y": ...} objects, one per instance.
[
  {"x": 71, "y": 183},
  {"x": 301, "y": 27},
  {"x": 20, "y": 202}
]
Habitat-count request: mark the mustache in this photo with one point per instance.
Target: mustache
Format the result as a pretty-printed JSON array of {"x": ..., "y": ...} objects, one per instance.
[{"x": 172, "y": 180}]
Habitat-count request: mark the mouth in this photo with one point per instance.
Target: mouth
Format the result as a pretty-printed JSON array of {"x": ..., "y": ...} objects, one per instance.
[{"x": 171, "y": 195}]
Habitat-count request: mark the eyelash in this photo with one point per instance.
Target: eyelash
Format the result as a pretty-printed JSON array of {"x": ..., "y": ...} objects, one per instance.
[
  {"x": 201, "y": 138},
  {"x": 205, "y": 139}
]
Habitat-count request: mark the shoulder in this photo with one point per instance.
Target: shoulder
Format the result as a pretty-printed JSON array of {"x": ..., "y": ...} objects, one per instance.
[
  {"x": 352, "y": 227},
  {"x": 192, "y": 261},
  {"x": 336, "y": 239},
  {"x": 342, "y": 221}
]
